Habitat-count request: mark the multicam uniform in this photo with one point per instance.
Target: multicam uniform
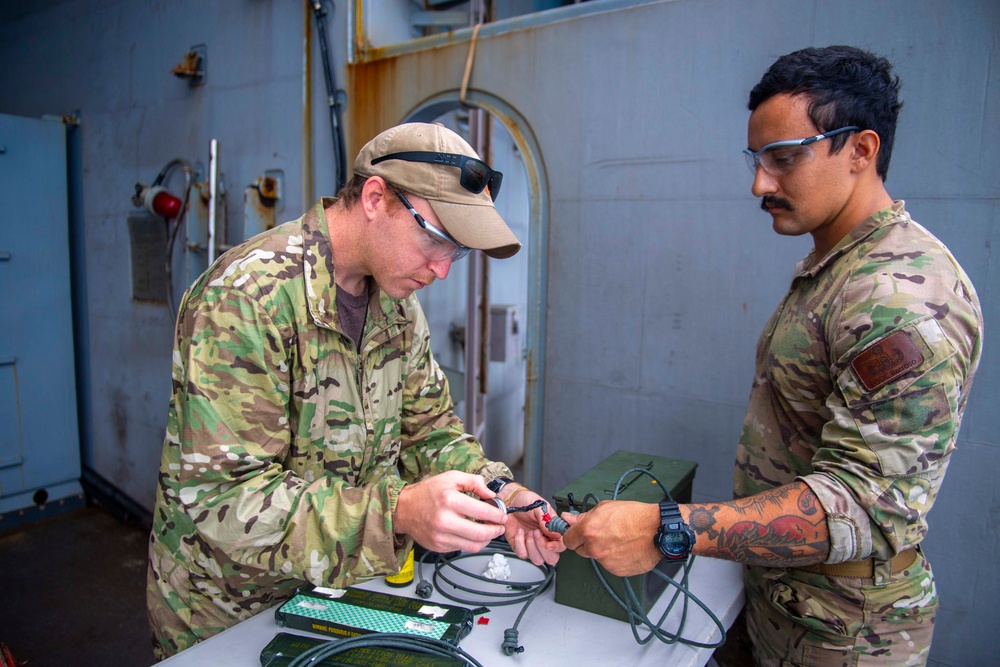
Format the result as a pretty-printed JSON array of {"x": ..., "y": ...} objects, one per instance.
[
  {"x": 286, "y": 449},
  {"x": 862, "y": 376}
]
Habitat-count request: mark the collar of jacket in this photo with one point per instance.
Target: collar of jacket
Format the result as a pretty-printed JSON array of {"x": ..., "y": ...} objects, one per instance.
[
  {"x": 317, "y": 262},
  {"x": 878, "y": 220}
]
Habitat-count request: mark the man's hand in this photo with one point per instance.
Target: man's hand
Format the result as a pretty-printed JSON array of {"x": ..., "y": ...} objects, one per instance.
[
  {"x": 439, "y": 516},
  {"x": 618, "y": 534},
  {"x": 526, "y": 532}
]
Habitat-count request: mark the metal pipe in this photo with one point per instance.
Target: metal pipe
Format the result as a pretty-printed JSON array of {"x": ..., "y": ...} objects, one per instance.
[
  {"x": 213, "y": 195},
  {"x": 307, "y": 126},
  {"x": 332, "y": 96},
  {"x": 78, "y": 271}
]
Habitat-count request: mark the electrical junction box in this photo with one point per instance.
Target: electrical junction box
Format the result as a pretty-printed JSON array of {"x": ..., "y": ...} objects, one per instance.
[
  {"x": 147, "y": 235},
  {"x": 577, "y": 584},
  {"x": 505, "y": 336}
]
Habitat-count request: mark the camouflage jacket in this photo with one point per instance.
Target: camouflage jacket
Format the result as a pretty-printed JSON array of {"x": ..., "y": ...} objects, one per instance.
[
  {"x": 286, "y": 448},
  {"x": 862, "y": 377}
]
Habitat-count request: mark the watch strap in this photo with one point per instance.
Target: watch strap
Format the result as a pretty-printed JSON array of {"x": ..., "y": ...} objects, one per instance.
[
  {"x": 670, "y": 513},
  {"x": 671, "y": 521},
  {"x": 498, "y": 483}
]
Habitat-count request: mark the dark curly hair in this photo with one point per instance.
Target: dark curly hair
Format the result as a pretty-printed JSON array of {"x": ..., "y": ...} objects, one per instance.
[{"x": 846, "y": 86}]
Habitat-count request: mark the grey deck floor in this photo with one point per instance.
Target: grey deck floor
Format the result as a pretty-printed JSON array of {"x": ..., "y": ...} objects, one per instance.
[{"x": 72, "y": 591}]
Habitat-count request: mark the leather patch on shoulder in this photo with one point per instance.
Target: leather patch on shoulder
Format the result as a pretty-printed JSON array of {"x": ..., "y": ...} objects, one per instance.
[{"x": 886, "y": 360}]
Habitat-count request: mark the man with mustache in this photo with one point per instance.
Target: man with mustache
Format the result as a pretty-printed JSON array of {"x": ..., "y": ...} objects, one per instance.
[
  {"x": 862, "y": 377},
  {"x": 311, "y": 436}
]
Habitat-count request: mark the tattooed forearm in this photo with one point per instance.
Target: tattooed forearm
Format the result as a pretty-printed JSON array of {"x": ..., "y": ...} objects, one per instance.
[
  {"x": 784, "y": 527},
  {"x": 757, "y": 504}
]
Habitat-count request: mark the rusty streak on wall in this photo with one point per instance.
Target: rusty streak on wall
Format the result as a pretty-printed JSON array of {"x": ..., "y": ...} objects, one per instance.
[
  {"x": 383, "y": 90},
  {"x": 373, "y": 102}
]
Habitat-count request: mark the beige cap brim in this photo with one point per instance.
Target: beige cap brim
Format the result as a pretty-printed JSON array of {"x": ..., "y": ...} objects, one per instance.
[
  {"x": 469, "y": 217},
  {"x": 477, "y": 226}
]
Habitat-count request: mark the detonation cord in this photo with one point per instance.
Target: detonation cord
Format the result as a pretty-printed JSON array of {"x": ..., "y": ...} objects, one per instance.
[
  {"x": 515, "y": 592},
  {"x": 633, "y": 607}
]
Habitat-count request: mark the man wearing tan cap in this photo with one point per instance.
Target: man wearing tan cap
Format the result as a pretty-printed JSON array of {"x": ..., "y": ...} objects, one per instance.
[{"x": 311, "y": 437}]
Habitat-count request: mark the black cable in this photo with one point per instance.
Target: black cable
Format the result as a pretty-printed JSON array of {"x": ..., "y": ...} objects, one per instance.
[
  {"x": 332, "y": 93},
  {"x": 528, "y": 508},
  {"x": 414, "y": 643},
  {"x": 176, "y": 162},
  {"x": 634, "y": 608},
  {"x": 173, "y": 225},
  {"x": 173, "y": 229},
  {"x": 516, "y": 592}
]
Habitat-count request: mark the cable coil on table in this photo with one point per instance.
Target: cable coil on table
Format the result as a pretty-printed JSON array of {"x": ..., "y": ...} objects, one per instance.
[
  {"x": 518, "y": 592},
  {"x": 414, "y": 643},
  {"x": 633, "y": 607}
]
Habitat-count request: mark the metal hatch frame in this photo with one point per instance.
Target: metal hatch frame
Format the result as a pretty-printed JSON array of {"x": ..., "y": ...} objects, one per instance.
[{"x": 516, "y": 125}]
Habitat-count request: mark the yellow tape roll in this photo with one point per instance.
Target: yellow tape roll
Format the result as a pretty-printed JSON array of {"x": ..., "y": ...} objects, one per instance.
[{"x": 405, "y": 575}]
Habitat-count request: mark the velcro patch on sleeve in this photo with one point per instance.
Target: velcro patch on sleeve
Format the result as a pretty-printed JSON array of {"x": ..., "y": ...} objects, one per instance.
[{"x": 885, "y": 360}]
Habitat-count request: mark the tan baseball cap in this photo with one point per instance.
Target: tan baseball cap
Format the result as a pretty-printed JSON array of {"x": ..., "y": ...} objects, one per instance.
[{"x": 469, "y": 217}]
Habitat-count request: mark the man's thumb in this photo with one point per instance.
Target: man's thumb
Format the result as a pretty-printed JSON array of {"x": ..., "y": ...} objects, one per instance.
[
  {"x": 570, "y": 517},
  {"x": 475, "y": 484}
]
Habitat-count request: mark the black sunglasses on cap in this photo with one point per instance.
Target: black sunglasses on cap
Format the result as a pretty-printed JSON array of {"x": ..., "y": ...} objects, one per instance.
[{"x": 476, "y": 174}]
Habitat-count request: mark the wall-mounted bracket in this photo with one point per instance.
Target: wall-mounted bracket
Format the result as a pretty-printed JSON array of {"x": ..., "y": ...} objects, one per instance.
[
  {"x": 194, "y": 66},
  {"x": 262, "y": 200}
]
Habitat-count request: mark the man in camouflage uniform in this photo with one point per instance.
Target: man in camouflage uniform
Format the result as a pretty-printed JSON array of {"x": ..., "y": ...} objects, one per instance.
[
  {"x": 311, "y": 435},
  {"x": 863, "y": 373}
]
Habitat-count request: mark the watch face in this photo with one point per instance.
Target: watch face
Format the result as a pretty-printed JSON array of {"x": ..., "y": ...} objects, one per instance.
[
  {"x": 675, "y": 544},
  {"x": 673, "y": 541}
]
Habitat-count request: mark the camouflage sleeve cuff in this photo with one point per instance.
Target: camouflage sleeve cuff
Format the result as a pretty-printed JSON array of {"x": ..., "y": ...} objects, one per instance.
[
  {"x": 494, "y": 469},
  {"x": 847, "y": 522},
  {"x": 401, "y": 544},
  {"x": 395, "y": 485}
]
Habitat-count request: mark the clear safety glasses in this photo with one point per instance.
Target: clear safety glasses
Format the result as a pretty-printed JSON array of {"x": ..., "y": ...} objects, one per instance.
[
  {"x": 781, "y": 157},
  {"x": 436, "y": 245}
]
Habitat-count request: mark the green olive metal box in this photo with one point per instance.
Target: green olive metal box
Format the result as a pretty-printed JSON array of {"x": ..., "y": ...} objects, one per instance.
[{"x": 577, "y": 584}]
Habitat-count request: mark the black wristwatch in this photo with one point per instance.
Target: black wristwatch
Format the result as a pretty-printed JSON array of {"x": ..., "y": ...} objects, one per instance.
[
  {"x": 498, "y": 483},
  {"x": 674, "y": 539}
]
